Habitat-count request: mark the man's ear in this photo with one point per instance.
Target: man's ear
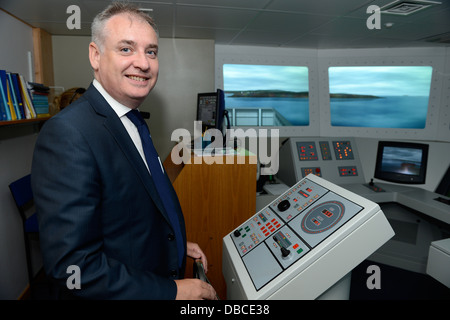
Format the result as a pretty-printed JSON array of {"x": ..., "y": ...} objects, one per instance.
[{"x": 94, "y": 55}]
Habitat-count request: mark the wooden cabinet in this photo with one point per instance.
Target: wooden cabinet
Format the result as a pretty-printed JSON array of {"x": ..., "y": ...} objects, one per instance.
[
  {"x": 43, "y": 57},
  {"x": 215, "y": 198}
]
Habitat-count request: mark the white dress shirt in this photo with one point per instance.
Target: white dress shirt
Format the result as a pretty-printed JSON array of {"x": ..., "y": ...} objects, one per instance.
[{"x": 121, "y": 112}]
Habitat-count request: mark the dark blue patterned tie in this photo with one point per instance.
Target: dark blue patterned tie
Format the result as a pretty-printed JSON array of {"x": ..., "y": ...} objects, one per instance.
[{"x": 161, "y": 181}]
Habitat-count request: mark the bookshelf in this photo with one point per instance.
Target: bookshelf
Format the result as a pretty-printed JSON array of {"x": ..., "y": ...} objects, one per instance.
[
  {"x": 25, "y": 101},
  {"x": 23, "y": 121}
]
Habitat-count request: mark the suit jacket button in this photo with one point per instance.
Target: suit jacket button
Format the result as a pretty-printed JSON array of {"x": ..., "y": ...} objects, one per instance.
[
  {"x": 171, "y": 236},
  {"x": 173, "y": 273}
]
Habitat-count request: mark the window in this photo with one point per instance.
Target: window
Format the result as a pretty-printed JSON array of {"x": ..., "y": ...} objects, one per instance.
[{"x": 264, "y": 95}]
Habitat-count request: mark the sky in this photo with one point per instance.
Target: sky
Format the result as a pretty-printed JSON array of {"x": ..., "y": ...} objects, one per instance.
[
  {"x": 381, "y": 80},
  {"x": 393, "y": 153},
  {"x": 263, "y": 77},
  {"x": 372, "y": 80}
]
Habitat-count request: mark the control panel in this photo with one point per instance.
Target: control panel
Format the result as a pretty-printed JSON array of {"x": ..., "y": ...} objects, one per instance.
[
  {"x": 335, "y": 159},
  {"x": 297, "y": 230}
]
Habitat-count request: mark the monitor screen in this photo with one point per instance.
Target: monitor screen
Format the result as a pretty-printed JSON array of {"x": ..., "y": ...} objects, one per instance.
[
  {"x": 380, "y": 96},
  {"x": 267, "y": 95},
  {"x": 210, "y": 110},
  {"x": 444, "y": 186},
  {"x": 401, "y": 162}
]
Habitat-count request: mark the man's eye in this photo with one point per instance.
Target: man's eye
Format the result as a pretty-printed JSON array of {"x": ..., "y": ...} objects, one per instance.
[
  {"x": 153, "y": 53},
  {"x": 126, "y": 50}
]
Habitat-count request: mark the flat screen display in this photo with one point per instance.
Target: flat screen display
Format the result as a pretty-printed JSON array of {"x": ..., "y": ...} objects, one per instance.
[
  {"x": 266, "y": 95},
  {"x": 379, "y": 96},
  {"x": 401, "y": 162}
]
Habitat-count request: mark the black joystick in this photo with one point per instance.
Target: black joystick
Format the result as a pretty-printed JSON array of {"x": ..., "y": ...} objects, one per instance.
[
  {"x": 284, "y": 205},
  {"x": 285, "y": 252}
]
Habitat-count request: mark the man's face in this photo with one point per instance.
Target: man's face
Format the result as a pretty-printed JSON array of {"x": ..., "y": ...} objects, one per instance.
[{"x": 127, "y": 65}]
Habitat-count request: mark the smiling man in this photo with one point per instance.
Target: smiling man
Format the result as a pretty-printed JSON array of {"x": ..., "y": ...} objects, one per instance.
[{"x": 98, "y": 193}]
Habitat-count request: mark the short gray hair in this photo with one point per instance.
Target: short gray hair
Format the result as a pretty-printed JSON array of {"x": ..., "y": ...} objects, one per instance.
[{"x": 115, "y": 8}]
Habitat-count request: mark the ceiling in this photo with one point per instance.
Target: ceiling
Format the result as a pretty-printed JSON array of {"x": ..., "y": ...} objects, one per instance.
[{"x": 276, "y": 23}]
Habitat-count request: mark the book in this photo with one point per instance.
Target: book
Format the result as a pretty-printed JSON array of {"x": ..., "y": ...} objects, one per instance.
[
  {"x": 13, "y": 96},
  {"x": 18, "y": 93},
  {"x": 4, "y": 94},
  {"x": 10, "y": 103},
  {"x": 28, "y": 103},
  {"x": 39, "y": 96},
  {"x": 20, "y": 99},
  {"x": 3, "y": 105},
  {"x": 2, "y": 111}
]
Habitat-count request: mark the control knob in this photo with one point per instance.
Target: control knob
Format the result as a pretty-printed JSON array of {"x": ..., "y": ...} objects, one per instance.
[
  {"x": 284, "y": 205},
  {"x": 285, "y": 252}
]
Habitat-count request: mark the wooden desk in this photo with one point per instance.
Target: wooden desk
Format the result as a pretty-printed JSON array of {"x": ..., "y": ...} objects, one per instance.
[{"x": 215, "y": 198}]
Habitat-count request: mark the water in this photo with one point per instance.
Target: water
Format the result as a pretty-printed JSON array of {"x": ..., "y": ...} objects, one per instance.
[
  {"x": 386, "y": 112},
  {"x": 401, "y": 166}
]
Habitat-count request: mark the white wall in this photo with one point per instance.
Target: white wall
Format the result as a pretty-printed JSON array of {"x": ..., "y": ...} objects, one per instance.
[
  {"x": 436, "y": 133},
  {"x": 318, "y": 61},
  {"x": 16, "y": 147},
  {"x": 71, "y": 61},
  {"x": 438, "y": 116}
]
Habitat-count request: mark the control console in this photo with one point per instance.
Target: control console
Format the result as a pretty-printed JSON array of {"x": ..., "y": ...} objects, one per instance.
[
  {"x": 335, "y": 159},
  {"x": 314, "y": 233}
]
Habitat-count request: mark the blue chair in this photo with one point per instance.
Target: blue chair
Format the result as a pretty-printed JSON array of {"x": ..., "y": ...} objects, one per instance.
[{"x": 23, "y": 197}]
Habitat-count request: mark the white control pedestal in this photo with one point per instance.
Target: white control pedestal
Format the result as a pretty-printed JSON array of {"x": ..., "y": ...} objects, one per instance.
[{"x": 302, "y": 243}]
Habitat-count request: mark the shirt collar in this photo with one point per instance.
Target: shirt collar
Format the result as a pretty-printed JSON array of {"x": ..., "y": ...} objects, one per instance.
[{"x": 118, "y": 108}]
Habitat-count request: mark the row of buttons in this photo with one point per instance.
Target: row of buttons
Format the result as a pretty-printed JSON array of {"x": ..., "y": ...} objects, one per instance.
[
  {"x": 271, "y": 226},
  {"x": 302, "y": 207},
  {"x": 255, "y": 240}
]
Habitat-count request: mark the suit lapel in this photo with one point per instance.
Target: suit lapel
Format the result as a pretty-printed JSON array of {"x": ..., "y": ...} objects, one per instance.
[{"x": 115, "y": 127}]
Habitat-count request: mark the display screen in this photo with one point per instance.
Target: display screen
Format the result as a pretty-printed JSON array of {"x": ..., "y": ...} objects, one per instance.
[
  {"x": 210, "y": 110},
  {"x": 401, "y": 162},
  {"x": 266, "y": 95},
  {"x": 379, "y": 96},
  {"x": 207, "y": 109}
]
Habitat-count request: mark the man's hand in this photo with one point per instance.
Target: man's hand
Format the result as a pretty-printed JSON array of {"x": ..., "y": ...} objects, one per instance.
[
  {"x": 194, "y": 251},
  {"x": 194, "y": 289}
]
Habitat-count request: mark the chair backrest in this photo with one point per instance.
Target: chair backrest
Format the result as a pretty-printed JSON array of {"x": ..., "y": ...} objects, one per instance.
[{"x": 22, "y": 193}]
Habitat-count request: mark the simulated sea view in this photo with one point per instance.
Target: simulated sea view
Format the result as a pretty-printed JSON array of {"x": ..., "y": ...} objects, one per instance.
[
  {"x": 370, "y": 96},
  {"x": 398, "y": 96},
  {"x": 384, "y": 112},
  {"x": 251, "y": 91}
]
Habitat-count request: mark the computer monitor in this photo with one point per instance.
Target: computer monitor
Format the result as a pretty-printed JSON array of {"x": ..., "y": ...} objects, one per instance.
[
  {"x": 210, "y": 109},
  {"x": 401, "y": 162},
  {"x": 444, "y": 186}
]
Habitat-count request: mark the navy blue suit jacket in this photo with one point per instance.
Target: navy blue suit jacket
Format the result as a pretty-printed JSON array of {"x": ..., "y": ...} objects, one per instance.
[{"x": 98, "y": 207}]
